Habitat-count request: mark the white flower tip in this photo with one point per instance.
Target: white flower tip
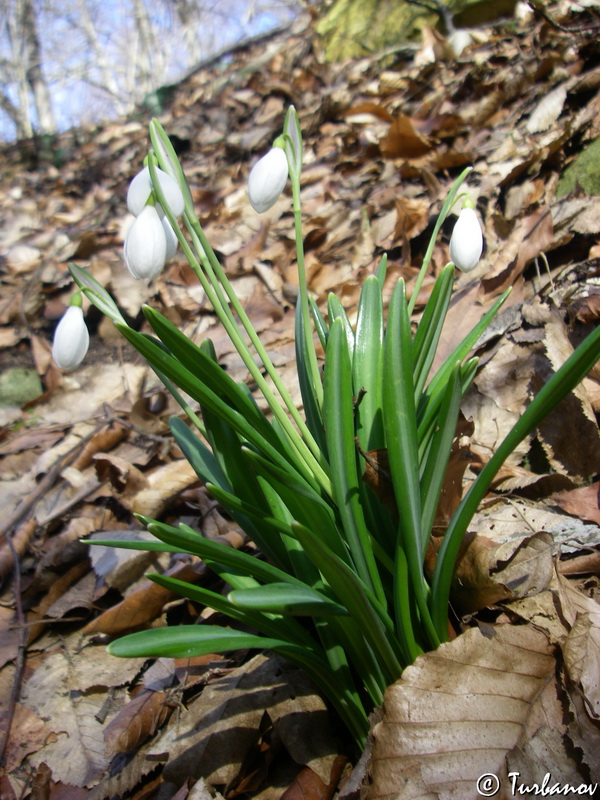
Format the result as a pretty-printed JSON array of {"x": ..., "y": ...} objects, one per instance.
[
  {"x": 466, "y": 243},
  {"x": 145, "y": 249},
  {"x": 71, "y": 340},
  {"x": 267, "y": 179}
]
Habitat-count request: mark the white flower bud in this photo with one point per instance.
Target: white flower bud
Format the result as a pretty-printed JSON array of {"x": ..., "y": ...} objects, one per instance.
[
  {"x": 267, "y": 179},
  {"x": 71, "y": 340},
  {"x": 466, "y": 242},
  {"x": 141, "y": 187},
  {"x": 145, "y": 248}
]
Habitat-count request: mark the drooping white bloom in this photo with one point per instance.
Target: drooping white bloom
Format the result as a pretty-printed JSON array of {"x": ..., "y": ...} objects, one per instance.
[
  {"x": 466, "y": 242},
  {"x": 71, "y": 339},
  {"x": 459, "y": 40},
  {"x": 267, "y": 179},
  {"x": 141, "y": 187},
  {"x": 145, "y": 248}
]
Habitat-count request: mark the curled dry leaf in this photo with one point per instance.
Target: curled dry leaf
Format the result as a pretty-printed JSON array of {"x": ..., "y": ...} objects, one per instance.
[
  {"x": 457, "y": 712},
  {"x": 489, "y": 572},
  {"x": 138, "y": 720},
  {"x": 143, "y": 605}
]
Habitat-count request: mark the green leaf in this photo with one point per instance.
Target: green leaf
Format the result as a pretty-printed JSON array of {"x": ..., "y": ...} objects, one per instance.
[
  {"x": 96, "y": 293},
  {"x": 556, "y": 389},
  {"x": 304, "y": 504},
  {"x": 188, "y": 541},
  {"x": 335, "y": 310},
  {"x": 287, "y": 599},
  {"x": 399, "y": 418},
  {"x": 367, "y": 366},
  {"x": 166, "y": 364},
  {"x": 267, "y": 624},
  {"x": 197, "y": 453},
  {"x": 371, "y": 619},
  {"x": 339, "y": 427},
  {"x": 428, "y": 333},
  {"x": 432, "y": 480},
  {"x": 205, "y": 367},
  {"x": 187, "y": 641},
  {"x": 310, "y": 399}
]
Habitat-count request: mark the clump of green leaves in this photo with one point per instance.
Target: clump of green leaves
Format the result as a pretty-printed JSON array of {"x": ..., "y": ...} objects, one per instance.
[{"x": 342, "y": 590}]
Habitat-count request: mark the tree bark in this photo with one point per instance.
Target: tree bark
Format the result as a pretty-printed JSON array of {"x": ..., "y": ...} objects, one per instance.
[{"x": 32, "y": 59}]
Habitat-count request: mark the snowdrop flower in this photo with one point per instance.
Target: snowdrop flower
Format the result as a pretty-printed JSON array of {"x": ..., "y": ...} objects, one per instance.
[
  {"x": 145, "y": 248},
  {"x": 459, "y": 40},
  {"x": 140, "y": 190},
  {"x": 466, "y": 242},
  {"x": 267, "y": 179},
  {"x": 71, "y": 338}
]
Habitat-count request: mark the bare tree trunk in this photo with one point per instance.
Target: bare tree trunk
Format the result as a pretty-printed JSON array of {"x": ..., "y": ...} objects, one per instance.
[
  {"x": 32, "y": 58},
  {"x": 188, "y": 13},
  {"x": 18, "y": 113},
  {"x": 143, "y": 67},
  {"x": 107, "y": 71}
]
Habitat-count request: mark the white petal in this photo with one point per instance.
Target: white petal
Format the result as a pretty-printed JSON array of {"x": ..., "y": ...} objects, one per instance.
[
  {"x": 172, "y": 242},
  {"x": 71, "y": 340},
  {"x": 139, "y": 192},
  {"x": 145, "y": 248},
  {"x": 466, "y": 243},
  {"x": 141, "y": 186},
  {"x": 267, "y": 179}
]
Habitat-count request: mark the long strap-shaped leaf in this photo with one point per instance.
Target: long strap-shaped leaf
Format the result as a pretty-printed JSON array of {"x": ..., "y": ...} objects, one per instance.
[
  {"x": 556, "y": 389},
  {"x": 339, "y": 428},
  {"x": 401, "y": 437},
  {"x": 187, "y": 641},
  {"x": 371, "y": 618},
  {"x": 182, "y": 377}
]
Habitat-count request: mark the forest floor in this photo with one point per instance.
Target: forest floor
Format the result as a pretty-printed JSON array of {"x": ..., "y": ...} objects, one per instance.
[{"x": 81, "y": 453}]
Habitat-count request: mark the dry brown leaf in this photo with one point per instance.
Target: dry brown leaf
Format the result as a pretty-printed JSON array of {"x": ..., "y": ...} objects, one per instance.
[
  {"x": 106, "y": 438},
  {"x": 212, "y": 738},
  {"x": 531, "y": 236},
  {"x": 68, "y": 692},
  {"x": 143, "y": 605},
  {"x": 583, "y": 503},
  {"x": 163, "y": 484},
  {"x": 488, "y": 572},
  {"x": 27, "y": 734},
  {"x": 548, "y": 110},
  {"x": 403, "y": 140},
  {"x": 139, "y": 719},
  {"x": 457, "y": 712},
  {"x": 309, "y": 786}
]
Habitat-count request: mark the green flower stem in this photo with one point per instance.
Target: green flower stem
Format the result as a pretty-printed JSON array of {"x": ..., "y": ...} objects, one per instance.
[
  {"x": 556, "y": 389},
  {"x": 306, "y": 445},
  {"x": 448, "y": 203},
  {"x": 217, "y": 300}
]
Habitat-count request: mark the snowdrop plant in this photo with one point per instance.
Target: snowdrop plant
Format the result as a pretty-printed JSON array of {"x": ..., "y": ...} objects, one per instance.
[
  {"x": 341, "y": 587},
  {"x": 71, "y": 337}
]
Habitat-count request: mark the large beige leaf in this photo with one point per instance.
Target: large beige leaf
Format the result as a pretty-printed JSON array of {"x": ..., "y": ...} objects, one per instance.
[{"x": 458, "y": 712}]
